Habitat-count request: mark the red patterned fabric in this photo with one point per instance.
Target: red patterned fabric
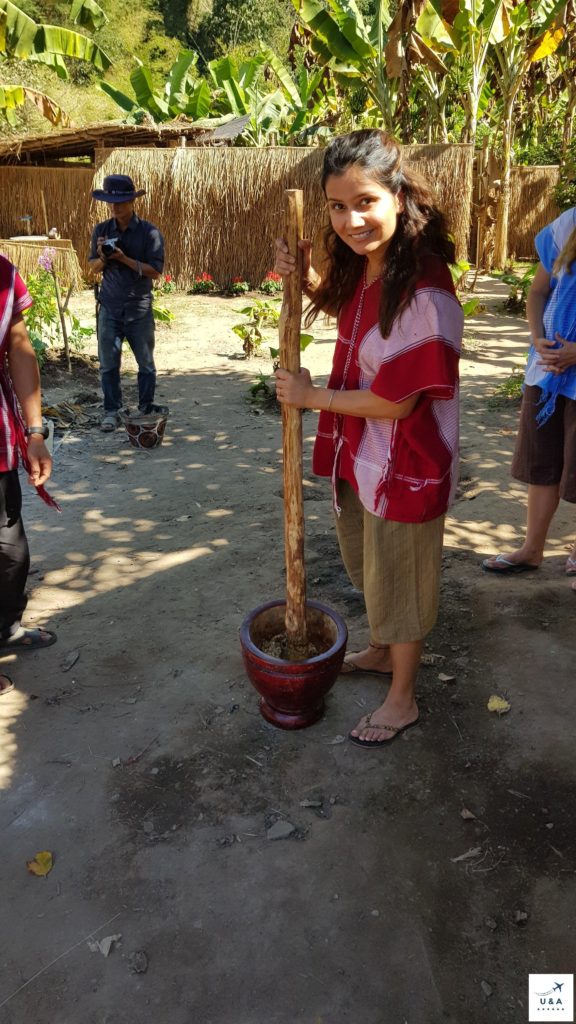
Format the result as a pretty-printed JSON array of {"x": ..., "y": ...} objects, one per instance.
[
  {"x": 14, "y": 298},
  {"x": 404, "y": 470}
]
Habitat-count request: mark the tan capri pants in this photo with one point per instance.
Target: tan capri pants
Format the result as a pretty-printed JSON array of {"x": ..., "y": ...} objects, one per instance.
[{"x": 396, "y": 565}]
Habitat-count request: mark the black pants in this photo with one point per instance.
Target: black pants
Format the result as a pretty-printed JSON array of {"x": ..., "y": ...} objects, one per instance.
[{"x": 14, "y": 554}]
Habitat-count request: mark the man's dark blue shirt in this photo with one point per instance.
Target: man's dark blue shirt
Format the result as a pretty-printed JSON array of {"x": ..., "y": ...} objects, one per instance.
[{"x": 123, "y": 292}]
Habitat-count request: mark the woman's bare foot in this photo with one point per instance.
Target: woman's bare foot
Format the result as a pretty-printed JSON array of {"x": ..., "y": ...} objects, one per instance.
[
  {"x": 372, "y": 659},
  {"x": 385, "y": 723}
]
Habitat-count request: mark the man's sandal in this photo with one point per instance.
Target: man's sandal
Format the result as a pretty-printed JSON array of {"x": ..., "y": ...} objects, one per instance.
[{"x": 28, "y": 640}]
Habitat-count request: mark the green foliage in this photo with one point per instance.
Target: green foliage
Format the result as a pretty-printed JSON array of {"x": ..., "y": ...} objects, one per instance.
[
  {"x": 232, "y": 23},
  {"x": 519, "y": 287},
  {"x": 262, "y": 392},
  {"x": 162, "y": 314},
  {"x": 565, "y": 191},
  {"x": 260, "y": 315},
  {"x": 272, "y": 284},
  {"x": 43, "y": 319},
  {"x": 509, "y": 390},
  {"x": 24, "y": 39},
  {"x": 238, "y": 286}
]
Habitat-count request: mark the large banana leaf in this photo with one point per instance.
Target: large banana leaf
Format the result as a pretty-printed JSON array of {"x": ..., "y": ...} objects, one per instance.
[
  {"x": 54, "y": 39},
  {"x": 236, "y": 98},
  {"x": 18, "y": 31},
  {"x": 282, "y": 74},
  {"x": 222, "y": 70},
  {"x": 179, "y": 74},
  {"x": 200, "y": 102},
  {"x": 14, "y": 96},
  {"x": 52, "y": 60},
  {"x": 123, "y": 101},
  {"x": 351, "y": 24},
  {"x": 88, "y": 13},
  {"x": 322, "y": 24},
  {"x": 141, "y": 82}
]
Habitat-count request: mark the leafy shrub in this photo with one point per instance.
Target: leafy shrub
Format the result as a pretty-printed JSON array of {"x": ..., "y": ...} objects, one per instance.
[
  {"x": 238, "y": 286},
  {"x": 203, "y": 284},
  {"x": 271, "y": 284}
]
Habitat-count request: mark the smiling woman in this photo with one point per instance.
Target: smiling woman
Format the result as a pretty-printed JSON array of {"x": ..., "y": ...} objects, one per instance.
[{"x": 388, "y": 428}]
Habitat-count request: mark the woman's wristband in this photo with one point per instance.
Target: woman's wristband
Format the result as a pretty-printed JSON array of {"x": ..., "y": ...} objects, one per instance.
[{"x": 329, "y": 406}]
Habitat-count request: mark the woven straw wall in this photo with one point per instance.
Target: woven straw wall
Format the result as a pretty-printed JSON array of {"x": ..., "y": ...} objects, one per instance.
[
  {"x": 219, "y": 209},
  {"x": 532, "y": 206}
]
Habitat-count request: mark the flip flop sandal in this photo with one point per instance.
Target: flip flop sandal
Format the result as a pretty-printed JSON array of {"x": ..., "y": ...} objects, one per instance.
[
  {"x": 5, "y": 687},
  {"x": 571, "y": 566},
  {"x": 501, "y": 564},
  {"x": 28, "y": 640},
  {"x": 350, "y": 668},
  {"x": 383, "y": 728}
]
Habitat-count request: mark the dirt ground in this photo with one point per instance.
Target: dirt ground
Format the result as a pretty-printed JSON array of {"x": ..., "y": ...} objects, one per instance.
[{"x": 421, "y": 884}]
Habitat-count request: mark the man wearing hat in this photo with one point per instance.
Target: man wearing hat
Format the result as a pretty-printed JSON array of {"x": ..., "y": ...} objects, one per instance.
[{"x": 129, "y": 252}]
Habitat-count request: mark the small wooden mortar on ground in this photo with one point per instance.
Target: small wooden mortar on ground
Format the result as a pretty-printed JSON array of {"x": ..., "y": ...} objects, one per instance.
[{"x": 310, "y": 637}]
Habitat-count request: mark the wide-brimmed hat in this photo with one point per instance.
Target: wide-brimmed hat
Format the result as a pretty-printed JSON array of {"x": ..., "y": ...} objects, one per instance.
[{"x": 117, "y": 188}]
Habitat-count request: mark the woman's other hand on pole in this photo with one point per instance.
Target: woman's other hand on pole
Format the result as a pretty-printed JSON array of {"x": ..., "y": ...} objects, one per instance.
[{"x": 285, "y": 264}]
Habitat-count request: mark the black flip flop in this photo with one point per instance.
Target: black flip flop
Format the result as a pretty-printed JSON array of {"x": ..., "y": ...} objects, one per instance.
[
  {"x": 9, "y": 687},
  {"x": 380, "y": 743},
  {"x": 504, "y": 567},
  {"x": 28, "y": 640}
]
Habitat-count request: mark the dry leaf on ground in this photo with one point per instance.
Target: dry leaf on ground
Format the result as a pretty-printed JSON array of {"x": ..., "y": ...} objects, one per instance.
[
  {"x": 498, "y": 704},
  {"x": 41, "y": 865}
]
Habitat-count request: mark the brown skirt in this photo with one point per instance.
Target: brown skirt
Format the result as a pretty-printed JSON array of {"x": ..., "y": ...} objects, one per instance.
[{"x": 396, "y": 565}]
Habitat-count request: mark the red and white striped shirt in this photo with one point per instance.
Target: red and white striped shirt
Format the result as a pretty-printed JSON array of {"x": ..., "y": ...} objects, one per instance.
[
  {"x": 14, "y": 298},
  {"x": 404, "y": 470}
]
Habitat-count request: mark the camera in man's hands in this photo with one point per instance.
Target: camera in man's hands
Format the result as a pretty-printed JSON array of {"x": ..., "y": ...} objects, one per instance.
[{"x": 108, "y": 247}]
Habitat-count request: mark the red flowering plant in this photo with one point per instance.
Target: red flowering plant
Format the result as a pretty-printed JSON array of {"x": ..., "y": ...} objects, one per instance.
[
  {"x": 238, "y": 286},
  {"x": 166, "y": 284},
  {"x": 271, "y": 284},
  {"x": 203, "y": 284}
]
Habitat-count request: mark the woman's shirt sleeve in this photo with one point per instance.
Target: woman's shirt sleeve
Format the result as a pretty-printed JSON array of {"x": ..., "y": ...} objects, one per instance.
[{"x": 422, "y": 352}]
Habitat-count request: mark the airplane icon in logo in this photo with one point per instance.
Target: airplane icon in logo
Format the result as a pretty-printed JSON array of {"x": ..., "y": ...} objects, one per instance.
[{"x": 558, "y": 986}]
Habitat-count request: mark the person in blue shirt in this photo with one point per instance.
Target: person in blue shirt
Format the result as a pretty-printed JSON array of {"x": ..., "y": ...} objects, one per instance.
[
  {"x": 129, "y": 252},
  {"x": 545, "y": 454}
]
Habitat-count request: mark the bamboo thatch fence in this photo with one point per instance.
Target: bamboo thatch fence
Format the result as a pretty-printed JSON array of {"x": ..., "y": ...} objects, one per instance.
[
  {"x": 532, "y": 207},
  {"x": 220, "y": 209}
]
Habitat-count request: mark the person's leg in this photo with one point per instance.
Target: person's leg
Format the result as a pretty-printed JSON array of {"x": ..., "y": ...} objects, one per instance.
[
  {"x": 350, "y": 533},
  {"x": 14, "y": 566},
  {"x": 14, "y": 555},
  {"x": 539, "y": 462},
  {"x": 110, "y": 337},
  {"x": 140, "y": 337},
  {"x": 568, "y": 481},
  {"x": 402, "y": 585}
]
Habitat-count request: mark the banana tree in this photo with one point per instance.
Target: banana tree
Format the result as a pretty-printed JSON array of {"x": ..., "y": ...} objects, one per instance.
[
  {"x": 465, "y": 28},
  {"x": 375, "y": 54},
  {"x": 353, "y": 50},
  {"x": 535, "y": 30},
  {"x": 22, "y": 38},
  {"x": 310, "y": 97}
]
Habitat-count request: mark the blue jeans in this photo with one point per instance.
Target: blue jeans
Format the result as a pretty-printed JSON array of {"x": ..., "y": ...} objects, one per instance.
[{"x": 140, "y": 336}]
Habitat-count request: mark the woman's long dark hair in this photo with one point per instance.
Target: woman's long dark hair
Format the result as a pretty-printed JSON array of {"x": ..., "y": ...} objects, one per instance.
[{"x": 421, "y": 231}]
